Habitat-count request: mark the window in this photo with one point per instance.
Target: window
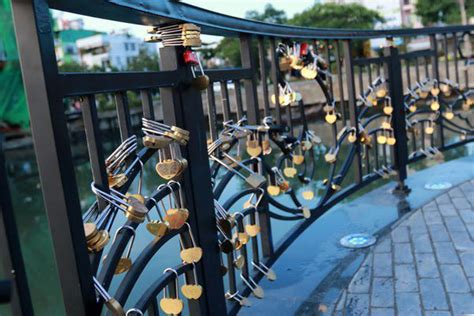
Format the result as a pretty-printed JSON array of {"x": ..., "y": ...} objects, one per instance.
[
  {"x": 132, "y": 46},
  {"x": 126, "y": 46}
]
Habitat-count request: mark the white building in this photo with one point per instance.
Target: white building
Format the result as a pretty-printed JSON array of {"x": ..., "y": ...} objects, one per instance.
[{"x": 111, "y": 50}]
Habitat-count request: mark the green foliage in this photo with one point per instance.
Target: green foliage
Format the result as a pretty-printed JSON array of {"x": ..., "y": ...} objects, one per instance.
[
  {"x": 330, "y": 15},
  {"x": 442, "y": 11},
  {"x": 229, "y": 48},
  {"x": 144, "y": 62},
  {"x": 270, "y": 15}
]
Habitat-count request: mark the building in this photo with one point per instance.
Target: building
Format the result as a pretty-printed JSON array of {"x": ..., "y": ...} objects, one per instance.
[
  {"x": 111, "y": 50},
  {"x": 65, "y": 44},
  {"x": 409, "y": 18}
]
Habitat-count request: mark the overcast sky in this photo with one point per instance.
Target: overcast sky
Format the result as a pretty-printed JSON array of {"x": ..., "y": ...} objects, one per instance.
[{"x": 230, "y": 7}]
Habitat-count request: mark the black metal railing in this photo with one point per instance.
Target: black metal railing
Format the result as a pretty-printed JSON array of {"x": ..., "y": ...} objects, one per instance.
[{"x": 374, "y": 123}]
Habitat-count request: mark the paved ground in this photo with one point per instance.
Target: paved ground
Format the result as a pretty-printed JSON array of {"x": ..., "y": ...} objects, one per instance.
[{"x": 424, "y": 266}]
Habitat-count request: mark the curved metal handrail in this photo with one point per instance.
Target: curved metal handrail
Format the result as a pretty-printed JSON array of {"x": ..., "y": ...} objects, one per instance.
[{"x": 150, "y": 12}]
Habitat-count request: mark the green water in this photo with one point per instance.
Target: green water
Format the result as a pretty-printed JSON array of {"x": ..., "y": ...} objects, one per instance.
[{"x": 36, "y": 240}]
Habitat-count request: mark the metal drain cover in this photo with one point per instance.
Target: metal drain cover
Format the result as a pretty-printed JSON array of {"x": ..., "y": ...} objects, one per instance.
[
  {"x": 438, "y": 185},
  {"x": 358, "y": 241}
]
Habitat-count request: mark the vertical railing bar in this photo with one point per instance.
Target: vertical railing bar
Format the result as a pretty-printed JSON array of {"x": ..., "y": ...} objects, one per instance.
[
  {"x": 253, "y": 115},
  {"x": 289, "y": 119},
  {"x": 395, "y": 84},
  {"x": 123, "y": 115},
  {"x": 211, "y": 111},
  {"x": 378, "y": 70},
  {"x": 417, "y": 69},
  {"x": 353, "y": 112},
  {"x": 427, "y": 72},
  {"x": 263, "y": 75},
  {"x": 35, "y": 38},
  {"x": 423, "y": 145},
  {"x": 328, "y": 57},
  {"x": 225, "y": 101},
  {"x": 94, "y": 146},
  {"x": 369, "y": 71},
  {"x": 274, "y": 77},
  {"x": 339, "y": 82},
  {"x": 361, "y": 80},
  {"x": 147, "y": 104},
  {"x": 367, "y": 159},
  {"x": 238, "y": 99},
  {"x": 455, "y": 56},
  {"x": 10, "y": 248},
  {"x": 446, "y": 54},
  {"x": 231, "y": 273},
  {"x": 182, "y": 107},
  {"x": 435, "y": 69},
  {"x": 376, "y": 147},
  {"x": 408, "y": 73}
]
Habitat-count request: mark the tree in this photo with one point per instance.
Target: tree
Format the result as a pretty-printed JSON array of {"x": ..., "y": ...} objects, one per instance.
[
  {"x": 144, "y": 62},
  {"x": 330, "y": 15},
  {"x": 269, "y": 15},
  {"x": 229, "y": 48},
  {"x": 442, "y": 11}
]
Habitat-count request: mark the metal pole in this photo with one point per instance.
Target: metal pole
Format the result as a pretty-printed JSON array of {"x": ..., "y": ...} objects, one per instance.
[
  {"x": 253, "y": 115},
  {"x": 351, "y": 96},
  {"x": 53, "y": 153},
  {"x": 393, "y": 69},
  {"x": 182, "y": 106}
]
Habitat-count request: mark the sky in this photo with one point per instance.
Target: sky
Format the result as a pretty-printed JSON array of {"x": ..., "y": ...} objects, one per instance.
[{"x": 236, "y": 8}]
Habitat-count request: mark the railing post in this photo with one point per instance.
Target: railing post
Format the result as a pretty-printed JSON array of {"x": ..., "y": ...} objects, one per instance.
[
  {"x": 393, "y": 69},
  {"x": 253, "y": 115},
  {"x": 10, "y": 250},
  {"x": 34, "y": 35},
  {"x": 182, "y": 106},
  {"x": 353, "y": 112},
  {"x": 435, "y": 71}
]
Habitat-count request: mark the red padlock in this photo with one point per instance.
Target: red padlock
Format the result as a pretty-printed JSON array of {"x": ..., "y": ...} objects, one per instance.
[
  {"x": 303, "y": 49},
  {"x": 190, "y": 57}
]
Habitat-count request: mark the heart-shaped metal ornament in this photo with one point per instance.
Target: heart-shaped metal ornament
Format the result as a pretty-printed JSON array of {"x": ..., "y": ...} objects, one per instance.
[
  {"x": 388, "y": 110},
  {"x": 252, "y": 229},
  {"x": 330, "y": 157},
  {"x": 243, "y": 237},
  {"x": 434, "y": 106},
  {"x": 200, "y": 82},
  {"x": 308, "y": 195},
  {"x": 191, "y": 255},
  {"x": 176, "y": 217},
  {"x": 254, "y": 151},
  {"x": 157, "y": 228},
  {"x": 435, "y": 91},
  {"x": 298, "y": 159},
  {"x": 117, "y": 180},
  {"x": 192, "y": 291},
  {"x": 391, "y": 141},
  {"x": 290, "y": 172},
  {"x": 381, "y": 93},
  {"x": 449, "y": 115},
  {"x": 273, "y": 190},
  {"x": 171, "y": 306},
  {"x": 412, "y": 108},
  {"x": 123, "y": 265},
  {"x": 331, "y": 118},
  {"x": 381, "y": 139},
  {"x": 169, "y": 169},
  {"x": 429, "y": 130},
  {"x": 309, "y": 73}
]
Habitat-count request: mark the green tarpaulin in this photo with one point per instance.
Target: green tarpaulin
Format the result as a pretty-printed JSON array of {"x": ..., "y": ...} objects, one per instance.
[{"x": 13, "y": 109}]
